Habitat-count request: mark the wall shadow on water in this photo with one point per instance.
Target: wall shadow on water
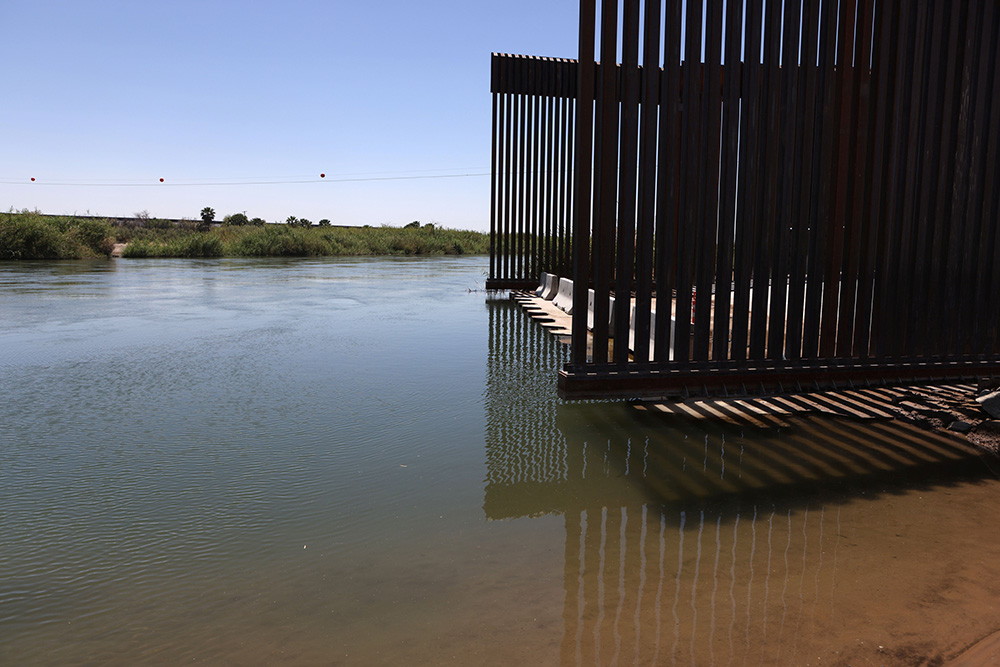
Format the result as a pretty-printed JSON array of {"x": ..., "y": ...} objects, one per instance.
[{"x": 694, "y": 540}]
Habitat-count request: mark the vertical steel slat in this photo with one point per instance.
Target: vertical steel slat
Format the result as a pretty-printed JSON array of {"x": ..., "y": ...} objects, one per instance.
[
  {"x": 667, "y": 180},
  {"x": 522, "y": 171},
  {"x": 888, "y": 338},
  {"x": 881, "y": 60},
  {"x": 627, "y": 160},
  {"x": 764, "y": 190},
  {"x": 861, "y": 175},
  {"x": 708, "y": 210},
  {"x": 583, "y": 156},
  {"x": 524, "y": 221},
  {"x": 555, "y": 151},
  {"x": 528, "y": 170},
  {"x": 560, "y": 266},
  {"x": 605, "y": 179},
  {"x": 510, "y": 103},
  {"x": 571, "y": 192},
  {"x": 728, "y": 169},
  {"x": 495, "y": 138},
  {"x": 846, "y": 227},
  {"x": 959, "y": 222},
  {"x": 538, "y": 197},
  {"x": 746, "y": 221},
  {"x": 805, "y": 132},
  {"x": 881, "y": 194},
  {"x": 527, "y": 176},
  {"x": 820, "y": 214},
  {"x": 993, "y": 307},
  {"x": 770, "y": 211},
  {"x": 511, "y": 174},
  {"x": 548, "y": 169},
  {"x": 946, "y": 169},
  {"x": 514, "y": 110},
  {"x": 545, "y": 188},
  {"x": 508, "y": 185},
  {"x": 974, "y": 237},
  {"x": 534, "y": 179},
  {"x": 781, "y": 273},
  {"x": 888, "y": 341},
  {"x": 565, "y": 185},
  {"x": 501, "y": 141},
  {"x": 930, "y": 156},
  {"x": 692, "y": 161},
  {"x": 988, "y": 286},
  {"x": 647, "y": 184},
  {"x": 517, "y": 214},
  {"x": 563, "y": 171},
  {"x": 823, "y": 229},
  {"x": 558, "y": 153},
  {"x": 906, "y": 310}
]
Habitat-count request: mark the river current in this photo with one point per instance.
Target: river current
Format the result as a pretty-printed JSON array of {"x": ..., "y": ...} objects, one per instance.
[{"x": 364, "y": 462}]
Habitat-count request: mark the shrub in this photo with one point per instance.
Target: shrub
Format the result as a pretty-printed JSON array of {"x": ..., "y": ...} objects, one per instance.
[
  {"x": 94, "y": 235},
  {"x": 279, "y": 241},
  {"x": 196, "y": 245},
  {"x": 139, "y": 248},
  {"x": 27, "y": 237},
  {"x": 237, "y": 219}
]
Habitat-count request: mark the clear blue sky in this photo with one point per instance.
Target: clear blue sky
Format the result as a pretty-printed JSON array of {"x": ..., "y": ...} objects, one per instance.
[{"x": 102, "y": 99}]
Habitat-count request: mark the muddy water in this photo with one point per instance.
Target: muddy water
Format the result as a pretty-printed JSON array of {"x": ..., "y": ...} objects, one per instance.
[{"x": 360, "y": 462}]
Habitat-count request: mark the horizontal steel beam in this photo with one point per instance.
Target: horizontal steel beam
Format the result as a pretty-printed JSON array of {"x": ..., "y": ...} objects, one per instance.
[{"x": 590, "y": 381}]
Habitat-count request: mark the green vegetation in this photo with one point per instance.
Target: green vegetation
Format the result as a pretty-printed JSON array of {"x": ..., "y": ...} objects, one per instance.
[
  {"x": 190, "y": 245},
  {"x": 31, "y": 235},
  {"x": 207, "y": 217},
  {"x": 238, "y": 219}
]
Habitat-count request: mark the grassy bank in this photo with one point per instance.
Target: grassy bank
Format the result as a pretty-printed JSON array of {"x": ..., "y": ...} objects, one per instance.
[{"x": 28, "y": 235}]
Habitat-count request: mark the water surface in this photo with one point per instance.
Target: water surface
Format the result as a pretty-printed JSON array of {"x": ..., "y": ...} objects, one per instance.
[{"x": 356, "y": 461}]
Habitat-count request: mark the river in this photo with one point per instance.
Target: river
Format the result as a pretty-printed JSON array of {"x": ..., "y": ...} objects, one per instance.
[{"x": 363, "y": 461}]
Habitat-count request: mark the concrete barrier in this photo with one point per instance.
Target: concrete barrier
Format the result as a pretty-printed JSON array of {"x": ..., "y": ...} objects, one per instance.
[
  {"x": 590, "y": 310},
  {"x": 541, "y": 285},
  {"x": 652, "y": 333},
  {"x": 550, "y": 286},
  {"x": 564, "y": 297},
  {"x": 547, "y": 285}
]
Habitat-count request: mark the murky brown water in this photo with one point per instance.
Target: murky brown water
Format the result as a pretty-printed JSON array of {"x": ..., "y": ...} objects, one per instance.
[{"x": 339, "y": 470}]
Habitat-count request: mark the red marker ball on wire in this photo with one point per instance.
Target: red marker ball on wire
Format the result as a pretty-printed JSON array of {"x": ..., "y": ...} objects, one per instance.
[
  {"x": 161, "y": 180},
  {"x": 322, "y": 175},
  {"x": 32, "y": 179}
]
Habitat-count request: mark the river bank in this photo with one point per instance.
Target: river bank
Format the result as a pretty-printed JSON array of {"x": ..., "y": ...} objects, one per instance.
[{"x": 32, "y": 235}]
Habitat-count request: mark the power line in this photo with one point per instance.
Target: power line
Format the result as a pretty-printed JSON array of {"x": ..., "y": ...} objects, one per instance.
[{"x": 162, "y": 183}]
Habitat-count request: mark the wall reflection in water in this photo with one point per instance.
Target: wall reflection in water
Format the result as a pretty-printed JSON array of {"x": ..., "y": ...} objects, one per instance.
[{"x": 696, "y": 541}]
